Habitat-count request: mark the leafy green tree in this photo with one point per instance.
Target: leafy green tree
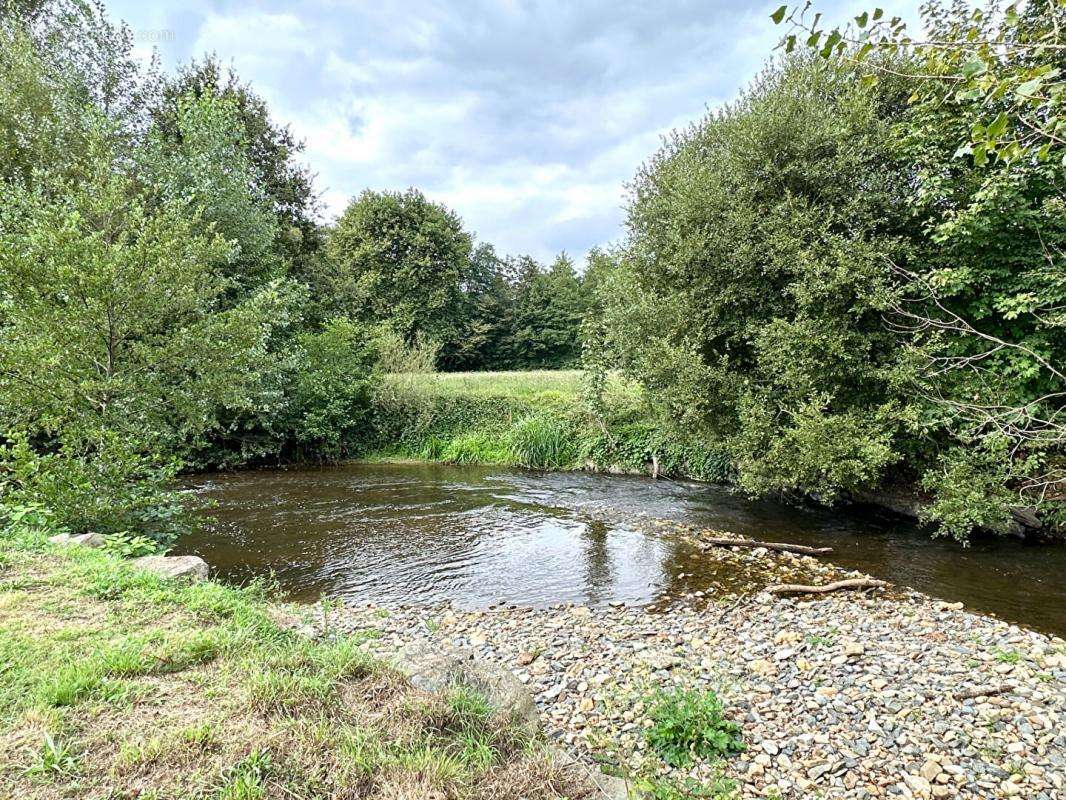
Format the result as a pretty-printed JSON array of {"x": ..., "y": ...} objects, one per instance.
[
  {"x": 397, "y": 258},
  {"x": 206, "y": 167},
  {"x": 750, "y": 301},
  {"x": 269, "y": 150},
  {"x": 111, "y": 316},
  {"x": 488, "y": 316}
]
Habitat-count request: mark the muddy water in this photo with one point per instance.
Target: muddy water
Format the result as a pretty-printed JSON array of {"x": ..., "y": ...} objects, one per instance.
[{"x": 406, "y": 533}]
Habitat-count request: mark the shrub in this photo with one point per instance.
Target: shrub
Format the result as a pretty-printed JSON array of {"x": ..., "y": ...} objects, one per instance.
[
  {"x": 109, "y": 489},
  {"x": 688, "y": 724}
]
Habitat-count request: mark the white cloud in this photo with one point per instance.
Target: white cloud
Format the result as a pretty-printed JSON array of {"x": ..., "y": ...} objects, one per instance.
[{"x": 528, "y": 120}]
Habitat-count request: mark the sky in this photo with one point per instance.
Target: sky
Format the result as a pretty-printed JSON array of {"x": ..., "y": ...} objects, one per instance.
[{"x": 526, "y": 118}]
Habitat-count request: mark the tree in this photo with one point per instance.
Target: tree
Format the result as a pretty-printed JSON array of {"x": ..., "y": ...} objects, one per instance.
[
  {"x": 982, "y": 299},
  {"x": 750, "y": 299},
  {"x": 270, "y": 151},
  {"x": 202, "y": 162},
  {"x": 111, "y": 315},
  {"x": 397, "y": 258},
  {"x": 487, "y": 318}
]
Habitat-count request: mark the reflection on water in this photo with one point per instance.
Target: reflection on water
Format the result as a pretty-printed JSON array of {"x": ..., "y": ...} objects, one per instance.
[{"x": 406, "y": 533}]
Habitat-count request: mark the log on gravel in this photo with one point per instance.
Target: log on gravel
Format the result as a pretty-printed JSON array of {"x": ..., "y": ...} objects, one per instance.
[
  {"x": 984, "y": 691},
  {"x": 722, "y": 541},
  {"x": 851, "y": 583}
]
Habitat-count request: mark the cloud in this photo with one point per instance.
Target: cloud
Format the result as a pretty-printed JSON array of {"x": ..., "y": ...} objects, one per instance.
[{"x": 526, "y": 118}]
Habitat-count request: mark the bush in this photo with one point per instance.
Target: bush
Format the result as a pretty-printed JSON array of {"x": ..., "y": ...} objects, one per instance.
[
  {"x": 688, "y": 724},
  {"x": 108, "y": 489}
]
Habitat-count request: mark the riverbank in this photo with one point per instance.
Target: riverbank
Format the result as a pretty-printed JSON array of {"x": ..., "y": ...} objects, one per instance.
[
  {"x": 118, "y": 683},
  {"x": 538, "y": 419},
  {"x": 843, "y": 697}
]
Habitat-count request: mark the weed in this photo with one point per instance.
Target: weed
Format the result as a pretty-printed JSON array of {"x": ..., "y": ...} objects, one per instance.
[
  {"x": 246, "y": 780},
  {"x": 688, "y": 724},
  {"x": 54, "y": 758},
  {"x": 1008, "y": 656}
]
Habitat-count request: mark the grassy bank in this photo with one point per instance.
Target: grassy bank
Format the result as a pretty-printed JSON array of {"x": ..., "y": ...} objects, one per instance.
[
  {"x": 537, "y": 419},
  {"x": 116, "y": 683}
]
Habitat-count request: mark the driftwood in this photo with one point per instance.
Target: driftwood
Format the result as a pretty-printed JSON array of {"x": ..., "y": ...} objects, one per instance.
[
  {"x": 851, "y": 583},
  {"x": 984, "y": 691},
  {"x": 721, "y": 541}
]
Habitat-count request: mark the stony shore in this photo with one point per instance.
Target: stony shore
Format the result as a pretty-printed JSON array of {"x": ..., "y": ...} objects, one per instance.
[{"x": 844, "y": 696}]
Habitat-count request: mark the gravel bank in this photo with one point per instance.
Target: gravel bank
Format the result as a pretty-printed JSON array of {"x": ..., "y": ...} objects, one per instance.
[{"x": 845, "y": 696}]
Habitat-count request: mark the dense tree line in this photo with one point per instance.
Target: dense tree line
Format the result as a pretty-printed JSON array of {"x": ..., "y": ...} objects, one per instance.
[{"x": 851, "y": 280}]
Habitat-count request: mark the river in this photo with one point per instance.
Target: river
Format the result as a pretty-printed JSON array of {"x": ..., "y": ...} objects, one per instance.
[{"x": 413, "y": 533}]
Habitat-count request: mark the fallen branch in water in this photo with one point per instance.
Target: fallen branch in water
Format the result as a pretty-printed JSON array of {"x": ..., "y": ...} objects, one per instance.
[
  {"x": 985, "y": 691},
  {"x": 721, "y": 541},
  {"x": 851, "y": 583}
]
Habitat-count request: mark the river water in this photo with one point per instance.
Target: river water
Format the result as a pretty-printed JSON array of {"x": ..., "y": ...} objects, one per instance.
[{"x": 413, "y": 533}]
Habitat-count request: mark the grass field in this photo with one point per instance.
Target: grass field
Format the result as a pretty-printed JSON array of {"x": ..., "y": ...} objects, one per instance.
[
  {"x": 565, "y": 383},
  {"x": 538, "y": 419},
  {"x": 115, "y": 683}
]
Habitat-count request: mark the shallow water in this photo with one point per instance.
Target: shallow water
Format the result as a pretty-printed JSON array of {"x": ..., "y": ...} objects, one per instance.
[{"x": 412, "y": 533}]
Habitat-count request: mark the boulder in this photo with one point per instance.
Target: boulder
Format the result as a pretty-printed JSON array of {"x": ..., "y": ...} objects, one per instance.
[
  {"x": 81, "y": 540},
  {"x": 439, "y": 668},
  {"x": 191, "y": 568}
]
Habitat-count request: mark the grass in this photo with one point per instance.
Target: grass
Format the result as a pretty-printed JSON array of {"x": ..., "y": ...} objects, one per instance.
[
  {"x": 115, "y": 683},
  {"x": 518, "y": 384},
  {"x": 537, "y": 419}
]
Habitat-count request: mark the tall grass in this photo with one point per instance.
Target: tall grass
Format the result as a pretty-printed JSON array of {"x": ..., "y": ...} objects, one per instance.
[{"x": 542, "y": 441}]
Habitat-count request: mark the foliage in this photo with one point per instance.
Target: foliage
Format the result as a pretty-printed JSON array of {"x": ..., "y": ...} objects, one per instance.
[
  {"x": 534, "y": 419},
  {"x": 108, "y": 488},
  {"x": 284, "y": 185},
  {"x": 132, "y": 545},
  {"x": 397, "y": 258},
  {"x": 542, "y": 441},
  {"x": 330, "y": 390},
  {"x": 999, "y": 68},
  {"x": 750, "y": 300},
  {"x": 688, "y": 724}
]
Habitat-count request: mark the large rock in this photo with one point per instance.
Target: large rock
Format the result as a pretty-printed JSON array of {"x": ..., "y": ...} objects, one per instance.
[
  {"x": 190, "y": 568},
  {"x": 440, "y": 668},
  {"x": 81, "y": 540}
]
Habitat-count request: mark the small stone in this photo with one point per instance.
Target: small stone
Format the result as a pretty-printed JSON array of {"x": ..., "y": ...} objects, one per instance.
[
  {"x": 92, "y": 540},
  {"x": 769, "y": 747},
  {"x": 930, "y": 769},
  {"x": 852, "y": 648}
]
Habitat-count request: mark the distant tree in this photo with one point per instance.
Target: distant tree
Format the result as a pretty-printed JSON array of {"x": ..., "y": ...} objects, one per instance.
[
  {"x": 397, "y": 258},
  {"x": 488, "y": 315},
  {"x": 549, "y": 308}
]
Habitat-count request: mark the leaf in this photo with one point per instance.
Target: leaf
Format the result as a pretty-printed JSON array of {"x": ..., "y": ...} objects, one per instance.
[
  {"x": 779, "y": 15},
  {"x": 869, "y": 80},
  {"x": 878, "y": 13},
  {"x": 974, "y": 67},
  {"x": 997, "y": 127},
  {"x": 862, "y": 19},
  {"x": 1029, "y": 87}
]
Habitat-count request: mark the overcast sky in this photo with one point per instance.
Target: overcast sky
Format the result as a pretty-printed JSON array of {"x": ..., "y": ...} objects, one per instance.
[{"x": 526, "y": 118}]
